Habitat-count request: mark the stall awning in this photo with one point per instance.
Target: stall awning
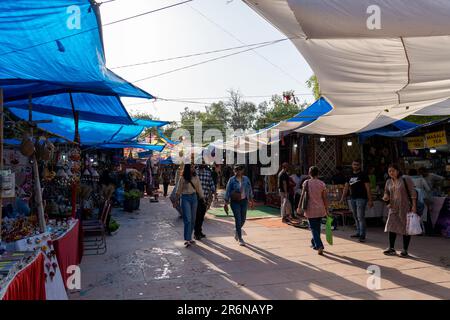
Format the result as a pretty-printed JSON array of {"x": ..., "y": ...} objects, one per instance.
[
  {"x": 54, "y": 46},
  {"x": 150, "y": 123},
  {"x": 406, "y": 132},
  {"x": 131, "y": 144},
  {"x": 398, "y": 128},
  {"x": 91, "y": 133},
  {"x": 90, "y": 107},
  {"x": 11, "y": 142},
  {"x": 251, "y": 142},
  {"x": 371, "y": 76}
]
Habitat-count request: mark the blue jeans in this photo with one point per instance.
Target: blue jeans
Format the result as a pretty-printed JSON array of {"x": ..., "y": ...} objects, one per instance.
[
  {"x": 189, "y": 204},
  {"x": 239, "y": 209},
  {"x": 359, "y": 214},
  {"x": 314, "y": 225}
]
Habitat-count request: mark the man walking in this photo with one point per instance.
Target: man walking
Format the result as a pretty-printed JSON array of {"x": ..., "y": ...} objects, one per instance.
[
  {"x": 165, "y": 177},
  {"x": 359, "y": 185},
  {"x": 283, "y": 184},
  {"x": 209, "y": 189}
]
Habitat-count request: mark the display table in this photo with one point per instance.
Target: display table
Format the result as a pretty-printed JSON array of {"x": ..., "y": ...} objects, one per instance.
[
  {"x": 442, "y": 223},
  {"x": 69, "y": 249},
  {"x": 273, "y": 199},
  {"x": 28, "y": 283},
  {"x": 54, "y": 285},
  {"x": 435, "y": 209}
]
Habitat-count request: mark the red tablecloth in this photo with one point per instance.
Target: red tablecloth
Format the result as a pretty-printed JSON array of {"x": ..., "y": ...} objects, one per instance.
[
  {"x": 69, "y": 249},
  {"x": 29, "y": 283}
]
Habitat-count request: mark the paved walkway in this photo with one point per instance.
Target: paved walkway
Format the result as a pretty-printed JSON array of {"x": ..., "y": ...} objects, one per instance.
[{"x": 146, "y": 259}]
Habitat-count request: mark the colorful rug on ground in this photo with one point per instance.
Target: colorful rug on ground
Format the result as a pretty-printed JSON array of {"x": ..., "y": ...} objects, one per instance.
[{"x": 257, "y": 212}]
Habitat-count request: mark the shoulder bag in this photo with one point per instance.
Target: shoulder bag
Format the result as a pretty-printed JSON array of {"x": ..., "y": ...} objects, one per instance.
[
  {"x": 305, "y": 196},
  {"x": 235, "y": 195},
  {"x": 200, "y": 200}
]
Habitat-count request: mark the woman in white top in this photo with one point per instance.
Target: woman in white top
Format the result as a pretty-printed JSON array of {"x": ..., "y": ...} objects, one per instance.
[{"x": 190, "y": 190}]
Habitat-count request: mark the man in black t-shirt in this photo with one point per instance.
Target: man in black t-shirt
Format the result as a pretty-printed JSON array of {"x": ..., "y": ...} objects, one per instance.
[
  {"x": 361, "y": 196},
  {"x": 283, "y": 183}
]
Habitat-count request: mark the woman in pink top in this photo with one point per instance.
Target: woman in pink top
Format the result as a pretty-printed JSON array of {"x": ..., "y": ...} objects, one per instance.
[{"x": 317, "y": 207}]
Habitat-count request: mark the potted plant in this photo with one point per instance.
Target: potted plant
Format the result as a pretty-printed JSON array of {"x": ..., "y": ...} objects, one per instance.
[
  {"x": 113, "y": 227},
  {"x": 132, "y": 200}
]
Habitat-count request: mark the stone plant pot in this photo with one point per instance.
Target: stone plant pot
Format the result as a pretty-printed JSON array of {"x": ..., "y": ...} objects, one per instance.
[
  {"x": 136, "y": 203},
  {"x": 128, "y": 205}
]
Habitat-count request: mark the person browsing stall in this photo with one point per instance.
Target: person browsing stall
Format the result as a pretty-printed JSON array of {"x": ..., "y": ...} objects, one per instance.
[
  {"x": 359, "y": 185},
  {"x": 401, "y": 198}
]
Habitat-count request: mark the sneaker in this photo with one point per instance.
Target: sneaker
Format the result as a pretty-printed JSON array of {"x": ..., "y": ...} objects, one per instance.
[
  {"x": 404, "y": 253},
  {"x": 192, "y": 242},
  {"x": 196, "y": 237},
  {"x": 242, "y": 243},
  {"x": 187, "y": 244},
  {"x": 390, "y": 252},
  {"x": 362, "y": 240},
  {"x": 202, "y": 235},
  {"x": 320, "y": 251},
  {"x": 355, "y": 236}
]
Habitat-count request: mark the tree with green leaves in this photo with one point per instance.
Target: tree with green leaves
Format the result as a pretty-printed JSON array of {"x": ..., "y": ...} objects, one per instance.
[
  {"x": 424, "y": 119},
  {"x": 278, "y": 109},
  {"x": 313, "y": 84},
  {"x": 147, "y": 131},
  {"x": 243, "y": 113}
]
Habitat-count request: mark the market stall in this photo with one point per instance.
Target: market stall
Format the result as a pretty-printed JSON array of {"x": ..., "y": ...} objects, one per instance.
[{"x": 22, "y": 276}]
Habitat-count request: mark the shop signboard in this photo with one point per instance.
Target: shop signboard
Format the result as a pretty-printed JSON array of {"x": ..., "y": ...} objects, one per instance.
[
  {"x": 435, "y": 139},
  {"x": 416, "y": 142}
]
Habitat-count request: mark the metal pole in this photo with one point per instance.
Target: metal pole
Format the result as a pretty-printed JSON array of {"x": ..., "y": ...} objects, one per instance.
[
  {"x": 37, "y": 182},
  {"x": 1, "y": 159}
]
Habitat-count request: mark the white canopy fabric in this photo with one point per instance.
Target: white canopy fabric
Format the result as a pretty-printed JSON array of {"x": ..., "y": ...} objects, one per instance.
[{"x": 371, "y": 77}]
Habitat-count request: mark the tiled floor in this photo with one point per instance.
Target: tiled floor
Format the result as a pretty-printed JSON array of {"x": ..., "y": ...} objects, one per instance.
[{"x": 146, "y": 259}]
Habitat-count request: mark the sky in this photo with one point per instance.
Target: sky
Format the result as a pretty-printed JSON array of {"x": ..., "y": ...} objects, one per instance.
[{"x": 194, "y": 27}]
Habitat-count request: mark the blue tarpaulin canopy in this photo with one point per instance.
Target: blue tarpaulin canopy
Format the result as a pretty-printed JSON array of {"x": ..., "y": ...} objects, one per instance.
[
  {"x": 313, "y": 112},
  {"x": 54, "y": 46},
  {"x": 131, "y": 144},
  {"x": 397, "y": 129},
  {"x": 150, "y": 123},
  {"x": 90, "y": 107},
  {"x": 11, "y": 142},
  {"x": 167, "y": 161},
  {"x": 91, "y": 133}
]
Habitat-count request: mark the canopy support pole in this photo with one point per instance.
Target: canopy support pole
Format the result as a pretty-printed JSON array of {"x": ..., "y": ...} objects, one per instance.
[
  {"x": 77, "y": 139},
  {"x": 37, "y": 181},
  {"x": 1, "y": 159}
]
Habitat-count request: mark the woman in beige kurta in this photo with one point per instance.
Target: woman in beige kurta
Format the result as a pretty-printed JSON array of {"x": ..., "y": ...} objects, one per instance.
[{"x": 401, "y": 195}]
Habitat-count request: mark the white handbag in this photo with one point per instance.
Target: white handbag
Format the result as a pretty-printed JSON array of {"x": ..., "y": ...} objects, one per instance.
[{"x": 413, "y": 224}]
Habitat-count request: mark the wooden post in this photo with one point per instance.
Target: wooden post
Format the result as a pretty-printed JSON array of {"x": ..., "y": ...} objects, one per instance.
[
  {"x": 1, "y": 158},
  {"x": 37, "y": 182},
  {"x": 77, "y": 140}
]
